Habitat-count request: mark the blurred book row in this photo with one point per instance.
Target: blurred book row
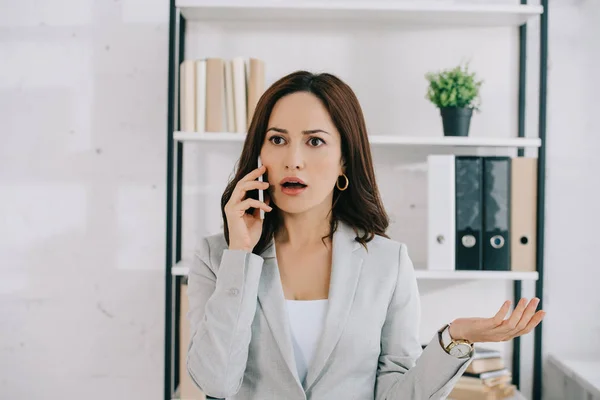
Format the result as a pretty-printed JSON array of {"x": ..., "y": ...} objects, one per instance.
[
  {"x": 482, "y": 213},
  {"x": 486, "y": 378},
  {"x": 187, "y": 389},
  {"x": 219, "y": 95}
]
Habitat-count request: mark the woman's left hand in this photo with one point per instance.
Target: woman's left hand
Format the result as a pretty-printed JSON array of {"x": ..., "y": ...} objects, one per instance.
[{"x": 497, "y": 329}]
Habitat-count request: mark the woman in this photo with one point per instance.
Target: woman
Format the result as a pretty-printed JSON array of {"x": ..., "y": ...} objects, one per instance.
[{"x": 316, "y": 301}]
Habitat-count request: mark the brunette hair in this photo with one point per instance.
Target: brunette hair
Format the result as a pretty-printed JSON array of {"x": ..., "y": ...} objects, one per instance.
[{"x": 359, "y": 205}]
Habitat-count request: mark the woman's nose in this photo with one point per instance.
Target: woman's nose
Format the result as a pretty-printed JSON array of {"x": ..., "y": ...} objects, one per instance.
[
  {"x": 293, "y": 164},
  {"x": 294, "y": 158}
]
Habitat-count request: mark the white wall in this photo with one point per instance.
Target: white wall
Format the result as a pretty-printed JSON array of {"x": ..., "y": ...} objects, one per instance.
[
  {"x": 82, "y": 190},
  {"x": 82, "y": 181},
  {"x": 573, "y": 193},
  {"x": 572, "y": 326}
]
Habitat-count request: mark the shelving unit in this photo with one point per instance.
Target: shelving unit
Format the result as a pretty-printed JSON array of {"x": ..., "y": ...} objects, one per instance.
[
  {"x": 476, "y": 275},
  {"x": 452, "y": 14},
  {"x": 182, "y": 269},
  {"x": 415, "y": 12},
  {"x": 382, "y": 140}
]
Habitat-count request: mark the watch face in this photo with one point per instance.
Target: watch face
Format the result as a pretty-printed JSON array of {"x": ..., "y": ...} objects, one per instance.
[{"x": 460, "y": 350}]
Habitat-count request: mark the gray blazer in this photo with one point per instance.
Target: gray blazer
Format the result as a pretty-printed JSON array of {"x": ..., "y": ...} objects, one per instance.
[{"x": 241, "y": 345}]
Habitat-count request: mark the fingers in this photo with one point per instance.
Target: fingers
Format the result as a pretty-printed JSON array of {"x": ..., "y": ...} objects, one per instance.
[
  {"x": 238, "y": 192},
  {"x": 246, "y": 204},
  {"x": 528, "y": 319},
  {"x": 499, "y": 317},
  {"x": 527, "y": 315},
  {"x": 533, "y": 322},
  {"x": 242, "y": 187},
  {"x": 497, "y": 329},
  {"x": 511, "y": 323},
  {"x": 254, "y": 174}
]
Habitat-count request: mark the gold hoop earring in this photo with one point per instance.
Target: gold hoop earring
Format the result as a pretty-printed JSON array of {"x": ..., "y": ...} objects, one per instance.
[{"x": 345, "y": 187}]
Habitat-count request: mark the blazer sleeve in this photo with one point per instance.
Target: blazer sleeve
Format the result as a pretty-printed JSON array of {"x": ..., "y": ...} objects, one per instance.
[
  {"x": 405, "y": 370},
  {"x": 222, "y": 304}
]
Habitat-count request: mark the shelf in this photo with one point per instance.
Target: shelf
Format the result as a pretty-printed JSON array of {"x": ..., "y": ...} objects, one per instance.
[
  {"x": 477, "y": 275},
  {"x": 220, "y": 137},
  {"x": 410, "y": 12},
  {"x": 470, "y": 141},
  {"x": 182, "y": 269},
  {"x": 585, "y": 372}
]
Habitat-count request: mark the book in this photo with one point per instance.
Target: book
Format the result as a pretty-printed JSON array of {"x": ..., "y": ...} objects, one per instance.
[
  {"x": 488, "y": 374},
  {"x": 485, "y": 365},
  {"x": 187, "y": 96},
  {"x": 215, "y": 95},
  {"x": 219, "y": 95},
  {"x": 467, "y": 392},
  {"x": 483, "y": 352}
]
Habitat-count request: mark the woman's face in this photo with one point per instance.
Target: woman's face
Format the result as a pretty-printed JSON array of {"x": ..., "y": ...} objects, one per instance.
[{"x": 301, "y": 141}]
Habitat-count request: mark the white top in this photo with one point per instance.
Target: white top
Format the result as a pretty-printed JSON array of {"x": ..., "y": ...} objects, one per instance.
[{"x": 307, "y": 318}]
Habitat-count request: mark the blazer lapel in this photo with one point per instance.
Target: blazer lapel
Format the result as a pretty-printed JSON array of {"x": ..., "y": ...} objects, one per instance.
[
  {"x": 272, "y": 301},
  {"x": 345, "y": 272}
]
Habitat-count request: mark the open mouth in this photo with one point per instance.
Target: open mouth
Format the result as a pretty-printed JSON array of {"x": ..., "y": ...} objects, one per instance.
[{"x": 293, "y": 185}]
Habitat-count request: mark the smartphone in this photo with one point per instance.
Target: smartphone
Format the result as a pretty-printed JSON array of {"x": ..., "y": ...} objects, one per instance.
[{"x": 261, "y": 195}]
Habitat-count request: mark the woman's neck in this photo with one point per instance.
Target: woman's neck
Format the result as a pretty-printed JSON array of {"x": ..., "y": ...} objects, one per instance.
[{"x": 300, "y": 231}]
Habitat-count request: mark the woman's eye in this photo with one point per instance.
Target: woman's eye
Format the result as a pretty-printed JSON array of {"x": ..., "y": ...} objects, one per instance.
[
  {"x": 314, "y": 141},
  {"x": 317, "y": 139},
  {"x": 275, "y": 137}
]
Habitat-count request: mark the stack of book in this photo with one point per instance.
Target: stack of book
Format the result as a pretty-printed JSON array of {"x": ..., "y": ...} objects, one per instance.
[
  {"x": 186, "y": 388},
  {"x": 219, "y": 95},
  {"x": 486, "y": 378}
]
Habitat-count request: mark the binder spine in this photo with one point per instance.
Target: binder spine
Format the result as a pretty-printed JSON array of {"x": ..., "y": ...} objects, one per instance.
[
  {"x": 469, "y": 224},
  {"x": 523, "y": 216},
  {"x": 441, "y": 213},
  {"x": 496, "y": 210}
]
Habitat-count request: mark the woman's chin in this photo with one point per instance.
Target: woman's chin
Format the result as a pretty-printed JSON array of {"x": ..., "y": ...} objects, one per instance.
[{"x": 291, "y": 206}]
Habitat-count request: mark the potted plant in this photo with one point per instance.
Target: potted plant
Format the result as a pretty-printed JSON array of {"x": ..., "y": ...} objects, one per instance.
[{"x": 456, "y": 93}]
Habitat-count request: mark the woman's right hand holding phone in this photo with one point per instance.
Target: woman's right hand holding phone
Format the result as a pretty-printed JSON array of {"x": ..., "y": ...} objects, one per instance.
[{"x": 245, "y": 229}]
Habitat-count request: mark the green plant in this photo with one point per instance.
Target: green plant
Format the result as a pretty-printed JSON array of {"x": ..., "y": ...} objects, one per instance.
[{"x": 456, "y": 87}]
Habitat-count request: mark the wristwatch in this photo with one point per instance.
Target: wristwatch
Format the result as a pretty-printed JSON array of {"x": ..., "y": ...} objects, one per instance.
[{"x": 459, "y": 348}]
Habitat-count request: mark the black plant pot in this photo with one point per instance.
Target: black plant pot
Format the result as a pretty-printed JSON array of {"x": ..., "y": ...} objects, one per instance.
[{"x": 456, "y": 120}]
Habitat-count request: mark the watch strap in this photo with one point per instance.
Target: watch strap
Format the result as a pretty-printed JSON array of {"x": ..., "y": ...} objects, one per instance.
[
  {"x": 447, "y": 342},
  {"x": 446, "y": 338}
]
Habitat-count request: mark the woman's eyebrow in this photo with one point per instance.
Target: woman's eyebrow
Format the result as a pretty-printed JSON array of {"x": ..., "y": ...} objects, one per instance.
[{"x": 307, "y": 132}]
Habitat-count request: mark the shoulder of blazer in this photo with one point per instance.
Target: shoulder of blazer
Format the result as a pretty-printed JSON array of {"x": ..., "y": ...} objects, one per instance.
[
  {"x": 210, "y": 250},
  {"x": 384, "y": 247},
  {"x": 383, "y": 257}
]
